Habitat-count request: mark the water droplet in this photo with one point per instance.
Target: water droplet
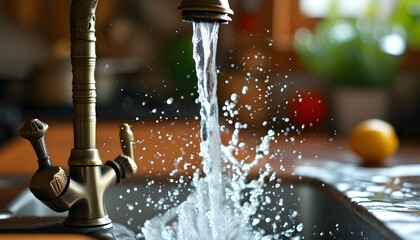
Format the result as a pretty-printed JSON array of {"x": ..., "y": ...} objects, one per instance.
[
  {"x": 170, "y": 100},
  {"x": 299, "y": 227},
  {"x": 244, "y": 89},
  {"x": 255, "y": 221}
]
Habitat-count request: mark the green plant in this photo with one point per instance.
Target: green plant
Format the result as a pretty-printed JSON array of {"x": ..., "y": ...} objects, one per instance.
[
  {"x": 407, "y": 14},
  {"x": 362, "y": 51}
]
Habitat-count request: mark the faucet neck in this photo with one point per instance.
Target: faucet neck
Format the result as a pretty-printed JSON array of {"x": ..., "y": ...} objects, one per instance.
[{"x": 83, "y": 59}]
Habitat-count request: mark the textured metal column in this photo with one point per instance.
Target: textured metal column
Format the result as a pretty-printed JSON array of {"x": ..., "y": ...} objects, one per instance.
[{"x": 83, "y": 58}]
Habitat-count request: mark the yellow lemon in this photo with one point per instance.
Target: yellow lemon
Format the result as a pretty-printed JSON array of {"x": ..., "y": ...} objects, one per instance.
[{"x": 373, "y": 140}]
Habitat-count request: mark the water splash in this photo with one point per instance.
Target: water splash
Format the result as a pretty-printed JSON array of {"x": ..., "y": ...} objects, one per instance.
[{"x": 221, "y": 205}]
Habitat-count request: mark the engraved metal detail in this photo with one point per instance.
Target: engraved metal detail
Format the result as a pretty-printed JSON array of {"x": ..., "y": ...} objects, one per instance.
[
  {"x": 58, "y": 183},
  {"x": 33, "y": 129},
  {"x": 82, "y": 19}
]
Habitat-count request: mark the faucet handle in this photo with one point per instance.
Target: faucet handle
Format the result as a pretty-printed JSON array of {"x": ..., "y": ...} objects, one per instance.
[
  {"x": 124, "y": 165},
  {"x": 127, "y": 140},
  {"x": 34, "y": 131},
  {"x": 49, "y": 181}
]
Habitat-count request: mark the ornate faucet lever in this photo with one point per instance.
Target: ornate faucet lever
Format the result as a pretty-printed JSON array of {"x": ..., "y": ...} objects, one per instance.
[{"x": 49, "y": 181}]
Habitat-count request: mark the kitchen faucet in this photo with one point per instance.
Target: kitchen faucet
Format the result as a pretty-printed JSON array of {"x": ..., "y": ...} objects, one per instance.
[{"x": 81, "y": 191}]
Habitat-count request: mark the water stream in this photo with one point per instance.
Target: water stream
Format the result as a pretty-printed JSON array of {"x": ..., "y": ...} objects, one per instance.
[
  {"x": 217, "y": 208},
  {"x": 205, "y": 47}
]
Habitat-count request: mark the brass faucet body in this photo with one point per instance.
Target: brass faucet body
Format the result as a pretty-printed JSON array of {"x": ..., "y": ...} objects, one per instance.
[{"x": 82, "y": 191}]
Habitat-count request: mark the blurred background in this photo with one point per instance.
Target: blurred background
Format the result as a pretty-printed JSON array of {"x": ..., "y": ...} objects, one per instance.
[{"x": 318, "y": 65}]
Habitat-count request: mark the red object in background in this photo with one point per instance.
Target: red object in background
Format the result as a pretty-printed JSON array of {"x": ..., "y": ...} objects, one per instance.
[{"x": 309, "y": 108}]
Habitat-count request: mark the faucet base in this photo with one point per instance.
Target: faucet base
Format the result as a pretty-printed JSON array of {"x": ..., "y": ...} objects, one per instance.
[
  {"x": 88, "y": 223},
  {"x": 54, "y": 225}
]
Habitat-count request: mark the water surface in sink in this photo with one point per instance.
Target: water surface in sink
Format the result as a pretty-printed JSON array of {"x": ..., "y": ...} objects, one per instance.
[{"x": 302, "y": 208}]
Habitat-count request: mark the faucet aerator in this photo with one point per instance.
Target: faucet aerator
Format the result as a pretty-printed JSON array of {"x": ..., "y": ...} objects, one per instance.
[{"x": 205, "y": 11}]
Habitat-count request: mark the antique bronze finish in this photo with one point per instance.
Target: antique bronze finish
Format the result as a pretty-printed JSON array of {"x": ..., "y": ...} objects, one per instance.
[{"x": 81, "y": 193}]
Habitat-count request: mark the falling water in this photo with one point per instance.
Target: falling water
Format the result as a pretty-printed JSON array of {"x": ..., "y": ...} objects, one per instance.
[
  {"x": 205, "y": 47},
  {"x": 216, "y": 209}
]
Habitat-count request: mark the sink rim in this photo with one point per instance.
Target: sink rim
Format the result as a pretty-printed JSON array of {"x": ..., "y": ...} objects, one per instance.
[
  {"x": 7, "y": 211},
  {"x": 361, "y": 212}
]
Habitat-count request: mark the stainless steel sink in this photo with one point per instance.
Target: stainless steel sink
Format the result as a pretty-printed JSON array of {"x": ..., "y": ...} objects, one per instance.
[
  {"x": 10, "y": 189},
  {"x": 323, "y": 211}
]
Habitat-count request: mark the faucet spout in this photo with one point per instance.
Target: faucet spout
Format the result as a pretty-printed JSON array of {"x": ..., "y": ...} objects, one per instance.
[{"x": 206, "y": 11}]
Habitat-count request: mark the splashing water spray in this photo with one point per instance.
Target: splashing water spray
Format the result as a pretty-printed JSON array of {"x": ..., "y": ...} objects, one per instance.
[{"x": 223, "y": 202}]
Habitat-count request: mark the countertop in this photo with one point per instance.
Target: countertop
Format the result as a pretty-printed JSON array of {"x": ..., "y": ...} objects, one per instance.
[{"x": 159, "y": 146}]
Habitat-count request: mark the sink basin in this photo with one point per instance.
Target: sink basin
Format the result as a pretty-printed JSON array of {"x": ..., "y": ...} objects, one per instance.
[
  {"x": 323, "y": 211},
  {"x": 10, "y": 189}
]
